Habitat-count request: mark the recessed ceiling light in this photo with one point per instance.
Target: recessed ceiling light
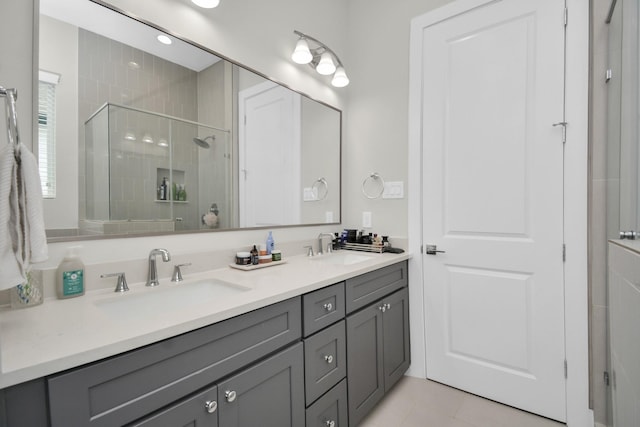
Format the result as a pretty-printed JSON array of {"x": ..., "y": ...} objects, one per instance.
[
  {"x": 133, "y": 65},
  {"x": 207, "y": 4},
  {"x": 164, "y": 39}
]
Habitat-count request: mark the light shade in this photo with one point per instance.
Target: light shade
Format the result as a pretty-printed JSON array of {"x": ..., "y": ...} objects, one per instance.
[
  {"x": 340, "y": 78},
  {"x": 164, "y": 39},
  {"x": 301, "y": 54},
  {"x": 326, "y": 65},
  {"x": 207, "y": 4}
]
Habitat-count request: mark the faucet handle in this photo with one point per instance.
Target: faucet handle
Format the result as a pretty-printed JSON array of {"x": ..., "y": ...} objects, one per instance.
[
  {"x": 121, "y": 284},
  {"x": 309, "y": 250},
  {"x": 177, "y": 273}
]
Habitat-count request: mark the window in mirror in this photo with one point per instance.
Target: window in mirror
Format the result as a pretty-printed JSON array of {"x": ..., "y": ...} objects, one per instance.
[{"x": 47, "y": 134}]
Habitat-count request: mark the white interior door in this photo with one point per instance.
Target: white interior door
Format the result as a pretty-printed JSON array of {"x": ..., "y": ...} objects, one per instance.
[
  {"x": 492, "y": 81},
  {"x": 269, "y": 156}
]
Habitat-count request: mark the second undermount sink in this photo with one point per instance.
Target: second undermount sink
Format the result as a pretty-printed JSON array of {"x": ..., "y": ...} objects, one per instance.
[
  {"x": 151, "y": 302},
  {"x": 342, "y": 258}
]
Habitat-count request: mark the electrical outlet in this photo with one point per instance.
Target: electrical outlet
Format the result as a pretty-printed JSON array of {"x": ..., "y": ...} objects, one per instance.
[{"x": 366, "y": 219}]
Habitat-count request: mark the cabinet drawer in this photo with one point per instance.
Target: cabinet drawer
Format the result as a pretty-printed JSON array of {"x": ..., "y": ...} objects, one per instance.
[
  {"x": 127, "y": 387},
  {"x": 322, "y": 308},
  {"x": 325, "y": 360},
  {"x": 363, "y": 290},
  {"x": 331, "y": 409}
]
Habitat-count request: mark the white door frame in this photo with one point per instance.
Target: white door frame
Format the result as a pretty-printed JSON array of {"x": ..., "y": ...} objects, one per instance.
[{"x": 575, "y": 203}]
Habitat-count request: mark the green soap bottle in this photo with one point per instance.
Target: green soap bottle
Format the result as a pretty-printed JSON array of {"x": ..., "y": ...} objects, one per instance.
[{"x": 70, "y": 275}]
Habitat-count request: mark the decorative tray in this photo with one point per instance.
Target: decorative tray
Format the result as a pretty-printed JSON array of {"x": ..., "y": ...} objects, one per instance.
[
  {"x": 363, "y": 247},
  {"x": 257, "y": 266}
]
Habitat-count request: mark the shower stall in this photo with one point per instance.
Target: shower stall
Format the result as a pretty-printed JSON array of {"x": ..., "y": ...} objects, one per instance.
[{"x": 150, "y": 172}]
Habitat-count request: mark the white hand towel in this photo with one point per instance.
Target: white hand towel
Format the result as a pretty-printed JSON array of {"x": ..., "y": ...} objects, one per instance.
[
  {"x": 22, "y": 233},
  {"x": 31, "y": 205},
  {"x": 11, "y": 264}
]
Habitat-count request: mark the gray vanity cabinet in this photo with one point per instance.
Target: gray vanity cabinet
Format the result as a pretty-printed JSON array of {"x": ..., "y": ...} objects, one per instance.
[
  {"x": 377, "y": 351},
  {"x": 127, "y": 387}
]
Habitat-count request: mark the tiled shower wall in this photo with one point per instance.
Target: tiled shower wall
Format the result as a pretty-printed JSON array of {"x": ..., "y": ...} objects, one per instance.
[{"x": 110, "y": 71}]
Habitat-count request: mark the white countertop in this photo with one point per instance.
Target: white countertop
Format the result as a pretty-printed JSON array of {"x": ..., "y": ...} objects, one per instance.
[{"x": 62, "y": 334}]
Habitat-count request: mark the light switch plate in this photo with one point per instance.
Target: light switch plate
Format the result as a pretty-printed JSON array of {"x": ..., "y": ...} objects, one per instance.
[
  {"x": 366, "y": 219},
  {"x": 328, "y": 216},
  {"x": 393, "y": 190},
  {"x": 309, "y": 195}
]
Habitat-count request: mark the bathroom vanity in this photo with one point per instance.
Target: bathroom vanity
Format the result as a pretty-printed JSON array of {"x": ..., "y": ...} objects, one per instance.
[{"x": 322, "y": 353}]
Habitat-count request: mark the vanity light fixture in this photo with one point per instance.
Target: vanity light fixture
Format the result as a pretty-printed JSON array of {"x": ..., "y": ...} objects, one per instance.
[
  {"x": 163, "y": 143},
  {"x": 164, "y": 39},
  {"x": 206, "y": 4},
  {"x": 130, "y": 136},
  {"x": 320, "y": 57}
]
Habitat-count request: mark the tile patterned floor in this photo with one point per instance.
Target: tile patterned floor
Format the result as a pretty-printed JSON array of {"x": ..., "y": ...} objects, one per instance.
[{"x": 415, "y": 402}]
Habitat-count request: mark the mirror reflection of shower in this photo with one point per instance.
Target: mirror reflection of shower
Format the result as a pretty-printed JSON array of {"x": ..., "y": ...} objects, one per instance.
[{"x": 203, "y": 142}]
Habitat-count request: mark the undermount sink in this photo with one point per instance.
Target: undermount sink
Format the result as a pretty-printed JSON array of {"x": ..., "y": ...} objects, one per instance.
[
  {"x": 150, "y": 302},
  {"x": 342, "y": 258}
]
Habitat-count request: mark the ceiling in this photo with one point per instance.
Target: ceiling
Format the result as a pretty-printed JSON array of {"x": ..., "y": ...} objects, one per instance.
[{"x": 101, "y": 20}]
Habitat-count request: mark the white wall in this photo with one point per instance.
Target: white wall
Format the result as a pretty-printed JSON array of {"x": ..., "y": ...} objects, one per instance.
[{"x": 376, "y": 130}]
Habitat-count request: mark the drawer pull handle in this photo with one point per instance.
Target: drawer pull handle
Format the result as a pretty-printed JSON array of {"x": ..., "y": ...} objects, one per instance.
[
  {"x": 328, "y": 358},
  {"x": 331, "y": 423},
  {"x": 211, "y": 406},
  {"x": 230, "y": 395},
  {"x": 328, "y": 306}
]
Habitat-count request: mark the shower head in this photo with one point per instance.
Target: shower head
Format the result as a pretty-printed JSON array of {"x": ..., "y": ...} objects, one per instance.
[{"x": 203, "y": 142}]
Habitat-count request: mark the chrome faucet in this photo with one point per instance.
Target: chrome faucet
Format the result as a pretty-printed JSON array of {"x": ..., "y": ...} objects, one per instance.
[
  {"x": 152, "y": 278},
  {"x": 329, "y": 246}
]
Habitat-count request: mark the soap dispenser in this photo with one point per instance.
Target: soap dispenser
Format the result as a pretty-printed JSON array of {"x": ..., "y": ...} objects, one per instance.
[{"x": 70, "y": 275}]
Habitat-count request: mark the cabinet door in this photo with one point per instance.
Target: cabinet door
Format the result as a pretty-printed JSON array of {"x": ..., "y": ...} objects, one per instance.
[
  {"x": 364, "y": 361},
  {"x": 395, "y": 327},
  {"x": 268, "y": 394},
  {"x": 196, "y": 411}
]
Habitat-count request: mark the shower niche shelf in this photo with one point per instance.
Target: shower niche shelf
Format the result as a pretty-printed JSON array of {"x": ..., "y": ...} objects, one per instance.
[{"x": 173, "y": 176}]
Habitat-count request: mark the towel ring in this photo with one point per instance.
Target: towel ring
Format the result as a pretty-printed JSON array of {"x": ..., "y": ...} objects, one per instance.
[
  {"x": 376, "y": 177},
  {"x": 319, "y": 183}
]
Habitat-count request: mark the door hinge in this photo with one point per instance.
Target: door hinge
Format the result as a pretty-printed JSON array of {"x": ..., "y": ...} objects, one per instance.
[
  {"x": 608, "y": 75},
  {"x": 566, "y": 16},
  {"x": 421, "y": 247},
  {"x": 606, "y": 378},
  {"x": 566, "y": 369},
  {"x": 564, "y": 252}
]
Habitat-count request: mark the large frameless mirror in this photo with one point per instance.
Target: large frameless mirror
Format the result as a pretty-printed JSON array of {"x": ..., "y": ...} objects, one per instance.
[{"x": 137, "y": 136}]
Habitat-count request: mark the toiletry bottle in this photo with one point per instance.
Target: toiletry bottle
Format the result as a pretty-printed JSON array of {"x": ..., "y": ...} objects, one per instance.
[
  {"x": 270, "y": 244},
  {"x": 70, "y": 275},
  {"x": 163, "y": 189},
  {"x": 254, "y": 255},
  {"x": 174, "y": 191}
]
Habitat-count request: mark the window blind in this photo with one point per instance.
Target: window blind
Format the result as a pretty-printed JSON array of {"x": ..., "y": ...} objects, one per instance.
[{"x": 47, "y": 138}]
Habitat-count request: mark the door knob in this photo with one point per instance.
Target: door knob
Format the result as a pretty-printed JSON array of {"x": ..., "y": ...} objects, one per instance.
[
  {"x": 432, "y": 250},
  {"x": 328, "y": 306},
  {"x": 230, "y": 395}
]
